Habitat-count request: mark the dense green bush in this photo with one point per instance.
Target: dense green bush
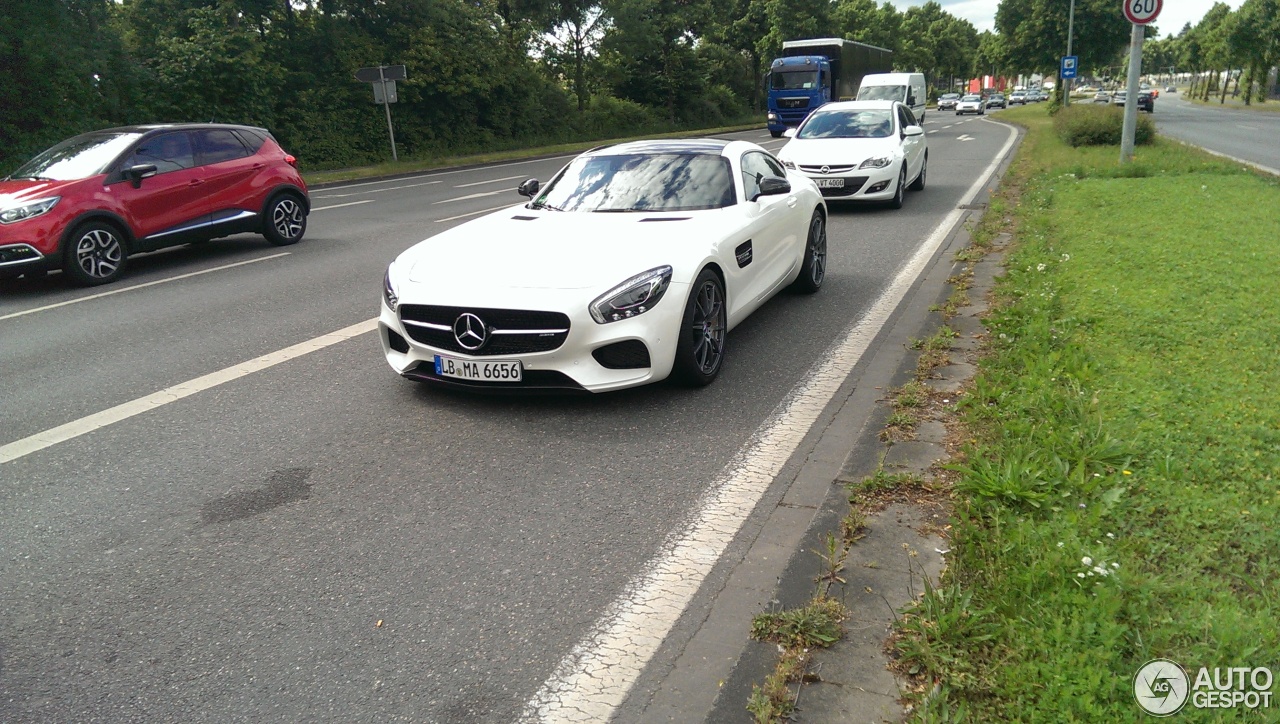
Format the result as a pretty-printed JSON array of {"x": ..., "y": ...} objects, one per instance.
[{"x": 1093, "y": 125}]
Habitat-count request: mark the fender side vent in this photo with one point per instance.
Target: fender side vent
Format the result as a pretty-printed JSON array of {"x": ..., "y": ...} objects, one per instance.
[{"x": 666, "y": 218}]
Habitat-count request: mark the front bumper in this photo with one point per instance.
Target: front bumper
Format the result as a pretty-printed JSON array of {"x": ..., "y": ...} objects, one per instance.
[
  {"x": 22, "y": 258},
  {"x": 865, "y": 184},
  {"x": 569, "y": 367}
]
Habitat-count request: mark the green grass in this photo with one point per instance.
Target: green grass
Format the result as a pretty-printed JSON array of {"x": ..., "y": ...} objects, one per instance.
[{"x": 1128, "y": 414}]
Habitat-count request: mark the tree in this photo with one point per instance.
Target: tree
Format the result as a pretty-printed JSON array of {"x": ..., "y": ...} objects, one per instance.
[{"x": 1035, "y": 33}]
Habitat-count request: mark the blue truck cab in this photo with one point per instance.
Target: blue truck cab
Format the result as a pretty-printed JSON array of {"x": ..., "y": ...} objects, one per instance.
[{"x": 815, "y": 71}]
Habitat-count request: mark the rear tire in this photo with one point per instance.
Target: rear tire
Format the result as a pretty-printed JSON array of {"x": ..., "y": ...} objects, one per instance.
[
  {"x": 95, "y": 254},
  {"x": 814, "y": 267},
  {"x": 285, "y": 220},
  {"x": 703, "y": 328}
]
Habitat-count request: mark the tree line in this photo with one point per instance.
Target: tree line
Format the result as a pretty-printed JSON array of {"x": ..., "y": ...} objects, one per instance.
[
  {"x": 482, "y": 74},
  {"x": 1241, "y": 44}
]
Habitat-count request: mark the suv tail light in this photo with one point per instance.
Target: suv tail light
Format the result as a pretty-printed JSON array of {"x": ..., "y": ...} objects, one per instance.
[{"x": 290, "y": 159}]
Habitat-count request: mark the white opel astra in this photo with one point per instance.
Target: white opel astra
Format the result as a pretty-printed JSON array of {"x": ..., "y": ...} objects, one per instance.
[
  {"x": 631, "y": 265},
  {"x": 860, "y": 151}
]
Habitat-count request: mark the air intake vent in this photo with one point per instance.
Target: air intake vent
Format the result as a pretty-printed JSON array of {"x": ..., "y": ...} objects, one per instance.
[{"x": 628, "y": 355}]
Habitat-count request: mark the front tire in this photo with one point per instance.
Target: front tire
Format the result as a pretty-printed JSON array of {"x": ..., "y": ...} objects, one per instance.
[
  {"x": 814, "y": 267},
  {"x": 776, "y": 134},
  {"x": 96, "y": 254},
  {"x": 918, "y": 184},
  {"x": 703, "y": 328},
  {"x": 286, "y": 220},
  {"x": 900, "y": 192}
]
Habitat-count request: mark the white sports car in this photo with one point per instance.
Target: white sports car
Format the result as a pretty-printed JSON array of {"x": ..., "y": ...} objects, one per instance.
[
  {"x": 860, "y": 151},
  {"x": 630, "y": 265}
]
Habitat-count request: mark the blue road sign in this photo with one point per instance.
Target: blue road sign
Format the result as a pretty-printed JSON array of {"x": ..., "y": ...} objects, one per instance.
[{"x": 1069, "y": 63}]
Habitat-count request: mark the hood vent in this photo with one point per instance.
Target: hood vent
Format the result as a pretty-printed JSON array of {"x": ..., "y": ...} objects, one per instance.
[
  {"x": 666, "y": 218},
  {"x": 523, "y": 218}
]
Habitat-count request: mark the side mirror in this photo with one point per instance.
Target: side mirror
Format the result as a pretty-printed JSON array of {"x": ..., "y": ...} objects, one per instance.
[
  {"x": 789, "y": 133},
  {"x": 529, "y": 187},
  {"x": 773, "y": 186},
  {"x": 135, "y": 174},
  {"x": 913, "y": 131}
]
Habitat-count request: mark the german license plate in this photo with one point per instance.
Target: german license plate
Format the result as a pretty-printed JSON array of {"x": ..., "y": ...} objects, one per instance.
[
  {"x": 490, "y": 370},
  {"x": 830, "y": 183}
]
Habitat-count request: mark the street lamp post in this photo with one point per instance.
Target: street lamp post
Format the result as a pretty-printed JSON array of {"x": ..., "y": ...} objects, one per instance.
[{"x": 1071, "y": 26}]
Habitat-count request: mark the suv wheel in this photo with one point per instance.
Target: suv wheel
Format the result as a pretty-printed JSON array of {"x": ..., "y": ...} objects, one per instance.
[
  {"x": 95, "y": 254},
  {"x": 286, "y": 220}
]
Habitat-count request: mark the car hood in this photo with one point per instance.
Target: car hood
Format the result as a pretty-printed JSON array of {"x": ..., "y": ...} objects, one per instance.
[
  {"x": 20, "y": 191},
  {"x": 837, "y": 151},
  {"x": 519, "y": 248}
]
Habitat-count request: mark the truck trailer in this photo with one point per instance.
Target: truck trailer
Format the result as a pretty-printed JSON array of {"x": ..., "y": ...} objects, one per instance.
[{"x": 816, "y": 71}]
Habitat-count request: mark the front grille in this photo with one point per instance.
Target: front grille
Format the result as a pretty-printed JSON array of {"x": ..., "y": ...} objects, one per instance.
[
  {"x": 830, "y": 169},
  {"x": 852, "y": 184},
  {"x": 793, "y": 102},
  {"x": 628, "y": 355},
  {"x": 508, "y": 331}
]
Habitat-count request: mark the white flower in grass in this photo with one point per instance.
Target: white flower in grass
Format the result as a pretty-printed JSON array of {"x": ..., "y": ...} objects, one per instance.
[{"x": 1087, "y": 561}]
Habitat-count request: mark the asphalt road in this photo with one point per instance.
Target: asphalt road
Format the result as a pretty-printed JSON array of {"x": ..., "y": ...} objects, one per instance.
[
  {"x": 321, "y": 540},
  {"x": 1248, "y": 135}
]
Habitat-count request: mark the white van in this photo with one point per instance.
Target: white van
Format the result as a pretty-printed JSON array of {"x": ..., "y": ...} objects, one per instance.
[{"x": 907, "y": 88}]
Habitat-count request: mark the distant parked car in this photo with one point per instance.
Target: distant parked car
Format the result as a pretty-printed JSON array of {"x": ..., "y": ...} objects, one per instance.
[
  {"x": 947, "y": 101},
  {"x": 1171, "y": 89},
  {"x": 971, "y": 103},
  {"x": 89, "y": 202},
  {"x": 1102, "y": 97},
  {"x": 1018, "y": 98},
  {"x": 995, "y": 101}
]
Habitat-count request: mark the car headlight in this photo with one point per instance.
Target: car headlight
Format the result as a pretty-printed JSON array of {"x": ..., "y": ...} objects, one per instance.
[
  {"x": 788, "y": 164},
  {"x": 389, "y": 291},
  {"x": 877, "y": 162},
  {"x": 636, "y": 295},
  {"x": 773, "y": 116},
  {"x": 29, "y": 210}
]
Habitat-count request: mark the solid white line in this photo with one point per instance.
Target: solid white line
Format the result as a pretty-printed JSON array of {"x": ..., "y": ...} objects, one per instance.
[
  {"x": 338, "y": 206},
  {"x": 492, "y": 181},
  {"x": 447, "y": 173},
  {"x": 375, "y": 191},
  {"x": 140, "y": 286},
  {"x": 472, "y": 213},
  {"x": 98, "y": 420},
  {"x": 595, "y": 677},
  {"x": 472, "y": 196}
]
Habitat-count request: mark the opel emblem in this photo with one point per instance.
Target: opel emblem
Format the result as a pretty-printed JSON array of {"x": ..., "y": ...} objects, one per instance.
[
  {"x": 825, "y": 169},
  {"x": 470, "y": 331}
]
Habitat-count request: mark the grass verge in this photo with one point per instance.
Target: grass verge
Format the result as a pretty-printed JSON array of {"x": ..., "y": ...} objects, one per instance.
[{"x": 1118, "y": 498}]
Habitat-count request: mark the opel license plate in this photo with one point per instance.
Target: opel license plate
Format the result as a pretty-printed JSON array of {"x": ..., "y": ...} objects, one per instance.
[
  {"x": 830, "y": 183},
  {"x": 490, "y": 370}
]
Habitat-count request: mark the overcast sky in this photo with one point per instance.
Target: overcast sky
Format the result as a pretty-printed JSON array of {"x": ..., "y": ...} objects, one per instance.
[{"x": 982, "y": 13}]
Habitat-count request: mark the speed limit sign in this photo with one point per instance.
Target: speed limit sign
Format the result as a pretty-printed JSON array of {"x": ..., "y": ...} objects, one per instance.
[{"x": 1141, "y": 12}]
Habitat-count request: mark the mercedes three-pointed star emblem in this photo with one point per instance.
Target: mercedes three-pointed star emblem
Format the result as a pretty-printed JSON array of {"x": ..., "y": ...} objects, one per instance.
[{"x": 470, "y": 331}]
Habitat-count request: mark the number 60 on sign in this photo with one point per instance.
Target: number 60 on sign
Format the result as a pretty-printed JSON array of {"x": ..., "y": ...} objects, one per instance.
[{"x": 1141, "y": 12}]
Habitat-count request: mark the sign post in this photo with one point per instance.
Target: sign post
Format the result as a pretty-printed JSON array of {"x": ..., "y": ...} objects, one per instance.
[
  {"x": 1139, "y": 12},
  {"x": 383, "y": 78}
]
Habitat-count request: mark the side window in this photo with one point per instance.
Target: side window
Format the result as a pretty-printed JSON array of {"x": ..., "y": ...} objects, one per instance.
[
  {"x": 775, "y": 168},
  {"x": 167, "y": 152},
  {"x": 908, "y": 118},
  {"x": 752, "y": 171},
  {"x": 252, "y": 139},
  {"x": 220, "y": 145}
]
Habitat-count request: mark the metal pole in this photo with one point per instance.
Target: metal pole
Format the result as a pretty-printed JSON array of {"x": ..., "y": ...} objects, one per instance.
[
  {"x": 386, "y": 104},
  {"x": 1071, "y": 27},
  {"x": 1131, "y": 93}
]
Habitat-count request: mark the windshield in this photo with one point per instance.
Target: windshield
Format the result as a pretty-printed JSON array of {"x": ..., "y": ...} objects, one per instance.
[
  {"x": 949, "y": 96},
  {"x": 77, "y": 158},
  {"x": 882, "y": 93},
  {"x": 971, "y": 98},
  {"x": 794, "y": 79},
  {"x": 641, "y": 182},
  {"x": 848, "y": 124}
]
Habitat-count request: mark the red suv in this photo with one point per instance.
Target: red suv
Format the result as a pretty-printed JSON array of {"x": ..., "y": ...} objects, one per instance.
[{"x": 89, "y": 202}]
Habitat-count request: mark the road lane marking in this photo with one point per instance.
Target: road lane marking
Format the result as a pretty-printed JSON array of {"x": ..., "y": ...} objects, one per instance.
[
  {"x": 492, "y": 181},
  {"x": 593, "y": 680},
  {"x": 1247, "y": 128},
  {"x": 473, "y": 213},
  {"x": 449, "y": 173},
  {"x": 376, "y": 191},
  {"x": 946, "y": 127},
  {"x": 112, "y": 415},
  {"x": 122, "y": 290},
  {"x": 472, "y": 196},
  {"x": 338, "y": 206},
  {"x": 965, "y": 137}
]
